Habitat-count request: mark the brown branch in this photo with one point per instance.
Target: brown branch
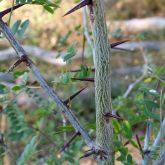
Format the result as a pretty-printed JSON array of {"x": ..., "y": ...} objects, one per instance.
[{"x": 63, "y": 108}]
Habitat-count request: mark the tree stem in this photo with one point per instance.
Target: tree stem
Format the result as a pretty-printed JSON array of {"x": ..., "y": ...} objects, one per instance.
[{"x": 104, "y": 130}]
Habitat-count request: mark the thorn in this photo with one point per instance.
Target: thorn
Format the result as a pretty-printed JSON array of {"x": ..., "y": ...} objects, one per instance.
[
  {"x": 73, "y": 96},
  {"x": 24, "y": 59},
  {"x": 67, "y": 144},
  {"x": 140, "y": 146},
  {"x": 113, "y": 116},
  {"x": 78, "y": 6},
  {"x": 84, "y": 79},
  {"x": 122, "y": 49},
  {"x": 118, "y": 43},
  {"x": 92, "y": 152},
  {"x": 147, "y": 152},
  {"x": 126, "y": 143},
  {"x": 2, "y": 139},
  {"x": 73, "y": 71},
  {"x": 101, "y": 154},
  {"x": 78, "y": 70},
  {"x": 3, "y": 13}
]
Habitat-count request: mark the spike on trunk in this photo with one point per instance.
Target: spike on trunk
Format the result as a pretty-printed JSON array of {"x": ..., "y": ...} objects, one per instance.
[
  {"x": 73, "y": 96},
  {"x": 3, "y": 13},
  {"x": 79, "y": 6},
  {"x": 118, "y": 43}
]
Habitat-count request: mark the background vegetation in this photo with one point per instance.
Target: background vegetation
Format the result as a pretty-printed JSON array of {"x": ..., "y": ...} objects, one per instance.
[{"x": 29, "y": 118}]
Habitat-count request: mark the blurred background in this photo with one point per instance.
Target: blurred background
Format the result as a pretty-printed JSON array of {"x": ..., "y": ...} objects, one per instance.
[{"x": 58, "y": 47}]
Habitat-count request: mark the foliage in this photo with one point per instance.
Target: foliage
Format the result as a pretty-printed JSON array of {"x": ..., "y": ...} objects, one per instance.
[{"x": 42, "y": 122}]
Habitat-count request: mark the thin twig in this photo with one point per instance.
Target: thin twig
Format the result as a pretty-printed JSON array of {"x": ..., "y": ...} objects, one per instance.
[
  {"x": 11, "y": 12},
  {"x": 140, "y": 146},
  {"x": 145, "y": 70},
  {"x": 86, "y": 33},
  {"x": 160, "y": 135},
  {"x": 83, "y": 49}
]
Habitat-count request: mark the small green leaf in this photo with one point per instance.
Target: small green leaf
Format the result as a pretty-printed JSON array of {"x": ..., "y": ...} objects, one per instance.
[
  {"x": 16, "y": 88},
  {"x": 27, "y": 152},
  {"x": 127, "y": 130},
  {"x": 65, "y": 78},
  {"x": 150, "y": 104},
  {"x": 121, "y": 158},
  {"x": 116, "y": 126},
  {"x": 129, "y": 158},
  {"x": 70, "y": 53},
  {"x": 49, "y": 9},
  {"x": 3, "y": 89},
  {"x": 23, "y": 26},
  {"x": 15, "y": 27}
]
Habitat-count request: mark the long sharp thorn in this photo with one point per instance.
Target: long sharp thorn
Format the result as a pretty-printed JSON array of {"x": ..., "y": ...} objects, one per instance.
[
  {"x": 78, "y": 70},
  {"x": 84, "y": 79},
  {"x": 73, "y": 71},
  {"x": 78, "y": 6},
  {"x": 114, "y": 116},
  {"x": 18, "y": 62},
  {"x": 139, "y": 144},
  {"x": 3, "y": 13},
  {"x": 67, "y": 144},
  {"x": 118, "y": 43},
  {"x": 87, "y": 154},
  {"x": 73, "y": 96},
  {"x": 122, "y": 49}
]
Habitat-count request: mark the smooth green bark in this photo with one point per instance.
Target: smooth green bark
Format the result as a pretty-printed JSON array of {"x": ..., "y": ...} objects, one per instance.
[{"x": 104, "y": 130}]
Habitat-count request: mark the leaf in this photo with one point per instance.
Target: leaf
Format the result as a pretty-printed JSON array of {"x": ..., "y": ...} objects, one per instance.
[
  {"x": 127, "y": 130},
  {"x": 65, "y": 128},
  {"x": 149, "y": 91},
  {"x": 150, "y": 104},
  {"x": 3, "y": 89},
  {"x": 70, "y": 53},
  {"x": 121, "y": 158},
  {"x": 65, "y": 78},
  {"x": 15, "y": 27},
  {"x": 134, "y": 143},
  {"x": 28, "y": 151},
  {"x": 116, "y": 126},
  {"x": 49, "y": 9},
  {"x": 91, "y": 126},
  {"x": 16, "y": 88},
  {"x": 23, "y": 26},
  {"x": 129, "y": 158},
  {"x": 63, "y": 40}
]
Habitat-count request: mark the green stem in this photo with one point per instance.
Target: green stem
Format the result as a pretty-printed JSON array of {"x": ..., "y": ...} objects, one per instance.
[
  {"x": 104, "y": 130},
  {"x": 11, "y": 12}
]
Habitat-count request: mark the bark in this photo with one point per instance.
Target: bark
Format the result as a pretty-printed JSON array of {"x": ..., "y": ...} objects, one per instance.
[{"x": 104, "y": 131}]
